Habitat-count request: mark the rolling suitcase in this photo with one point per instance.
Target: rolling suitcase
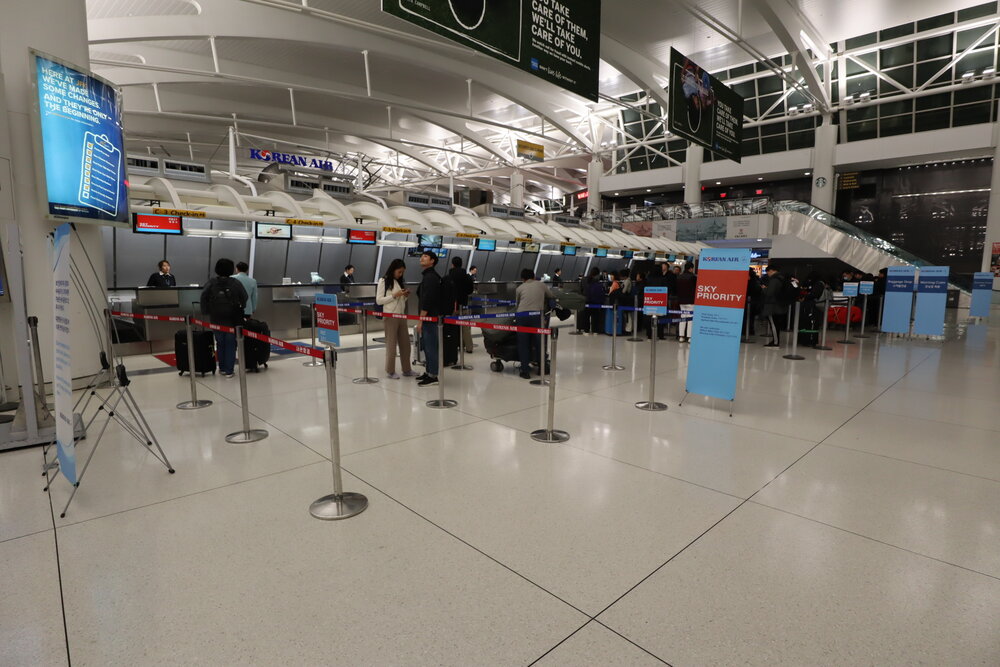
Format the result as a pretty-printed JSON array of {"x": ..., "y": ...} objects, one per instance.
[
  {"x": 609, "y": 315},
  {"x": 204, "y": 351},
  {"x": 257, "y": 352},
  {"x": 452, "y": 339}
]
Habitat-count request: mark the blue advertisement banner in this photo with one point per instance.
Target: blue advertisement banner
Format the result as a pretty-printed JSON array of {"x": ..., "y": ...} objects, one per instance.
[
  {"x": 655, "y": 301},
  {"x": 62, "y": 354},
  {"x": 718, "y": 323},
  {"x": 982, "y": 294},
  {"x": 327, "y": 320},
  {"x": 898, "y": 305},
  {"x": 932, "y": 298},
  {"x": 866, "y": 288},
  {"x": 83, "y": 149},
  {"x": 850, "y": 289}
]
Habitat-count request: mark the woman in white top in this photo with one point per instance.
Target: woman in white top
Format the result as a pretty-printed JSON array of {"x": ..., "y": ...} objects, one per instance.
[{"x": 391, "y": 294}]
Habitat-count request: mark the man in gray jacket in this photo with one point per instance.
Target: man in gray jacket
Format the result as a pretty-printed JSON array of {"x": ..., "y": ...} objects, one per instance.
[{"x": 532, "y": 295}]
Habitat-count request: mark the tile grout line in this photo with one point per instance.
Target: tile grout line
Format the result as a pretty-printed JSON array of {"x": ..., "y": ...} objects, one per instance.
[
  {"x": 916, "y": 463},
  {"x": 560, "y": 642},
  {"x": 631, "y": 642},
  {"x": 55, "y": 540}
]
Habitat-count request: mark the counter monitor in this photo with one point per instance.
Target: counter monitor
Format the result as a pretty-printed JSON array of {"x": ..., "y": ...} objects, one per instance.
[
  {"x": 361, "y": 236},
  {"x": 148, "y": 223},
  {"x": 487, "y": 245},
  {"x": 270, "y": 230}
]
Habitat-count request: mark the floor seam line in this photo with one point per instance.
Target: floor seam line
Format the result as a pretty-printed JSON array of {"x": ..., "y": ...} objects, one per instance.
[
  {"x": 55, "y": 540},
  {"x": 916, "y": 463},
  {"x": 561, "y": 642},
  {"x": 639, "y": 646}
]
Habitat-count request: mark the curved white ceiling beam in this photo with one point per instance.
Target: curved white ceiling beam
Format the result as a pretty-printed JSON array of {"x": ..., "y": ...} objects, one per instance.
[
  {"x": 638, "y": 68},
  {"x": 444, "y": 219},
  {"x": 410, "y": 217},
  {"x": 367, "y": 210}
]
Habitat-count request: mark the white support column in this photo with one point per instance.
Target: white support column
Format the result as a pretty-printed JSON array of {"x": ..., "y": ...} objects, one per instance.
[
  {"x": 517, "y": 189},
  {"x": 594, "y": 172},
  {"x": 823, "y": 186},
  {"x": 692, "y": 173},
  {"x": 64, "y": 38},
  {"x": 993, "y": 214}
]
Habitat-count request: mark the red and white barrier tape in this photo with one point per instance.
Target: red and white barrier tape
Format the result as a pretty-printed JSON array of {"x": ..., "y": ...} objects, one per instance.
[
  {"x": 140, "y": 316},
  {"x": 498, "y": 327},
  {"x": 292, "y": 347},
  {"x": 214, "y": 327}
]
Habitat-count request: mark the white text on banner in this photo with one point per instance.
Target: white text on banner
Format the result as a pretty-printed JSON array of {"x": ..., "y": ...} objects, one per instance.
[{"x": 63, "y": 381}]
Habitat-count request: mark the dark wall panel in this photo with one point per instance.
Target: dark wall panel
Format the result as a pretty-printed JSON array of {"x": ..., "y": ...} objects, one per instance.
[
  {"x": 363, "y": 257},
  {"x": 333, "y": 259},
  {"x": 137, "y": 256},
  {"x": 303, "y": 258},
  {"x": 269, "y": 261}
]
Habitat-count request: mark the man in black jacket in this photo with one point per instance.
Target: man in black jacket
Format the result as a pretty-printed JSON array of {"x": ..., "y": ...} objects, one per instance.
[
  {"x": 163, "y": 278},
  {"x": 429, "y": 296},
  {"x": 773, "y": 304},
  {"x": 463, "y": 290}
]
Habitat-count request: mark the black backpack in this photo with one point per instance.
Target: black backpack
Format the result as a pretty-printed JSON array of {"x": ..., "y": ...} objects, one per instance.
[
  {"x": 789, "y": 292},
  {"x": 224, "y": 303},
  {"x": 449, "y": 296}
]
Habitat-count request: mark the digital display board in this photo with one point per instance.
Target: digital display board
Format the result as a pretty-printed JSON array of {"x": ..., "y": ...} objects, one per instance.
[
  {"x": 361, "y": 236},
  {"x": 488, "y": 245},
  {"x": 78, "y": 125},
  {"x": 703, "y": 110},
  {"x": 272, "y": 230},
  {"x": 628, "y": 254},
  {"x": 148, "y": 223},
  {"x": 429, "y": 240},
  {"x": 531, "y": 247},
  {"x": 600, "y": 252},
  {"x": 569, "y": 250}
]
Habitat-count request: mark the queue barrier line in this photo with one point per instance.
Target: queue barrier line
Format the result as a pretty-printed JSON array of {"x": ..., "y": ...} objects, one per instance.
[
  {"x": 141, "y": 316},
  {"x": 292, "y": 347},
  {"x": 214, "y": 327},
  {"x": 495, "y": 316},
  {"x": 498, "y": 327}
]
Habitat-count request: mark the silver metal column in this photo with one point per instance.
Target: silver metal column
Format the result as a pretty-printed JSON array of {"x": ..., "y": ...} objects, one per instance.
[
  {"x": 795, "y": 356},
  {"x": 364, "y": 379},
  {"x": 847, "y": 331},
  {"x": 461, "y": 365},
  {"x": 635, "y": 321},
  {"x": 338, "y": 505},
  {"x": 312, "y": 363},
  {"x": 613, "y": 366},
  {"x": 748, "y": 310},
  {"x": 826, "y": 320},
  {"x": 36, "y": 350},
  {"x": 194, "y": 403},
  {"x": 550, "y": 433},
  {"x": 540, "y": 381},
  {"x": 651, "y": 405},
  {"x": 441, "y": 403},
  {"x": 247, "y": 435},
  {"x": 864, "y": 318}
]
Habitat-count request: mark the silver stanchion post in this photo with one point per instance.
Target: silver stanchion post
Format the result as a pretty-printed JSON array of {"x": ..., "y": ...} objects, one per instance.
[
  {"x": 247, "y": 434},
  {"x": 312, "y": 363},
  {"x": 826, "y": 320},
  {"x": 795, "y": 356},
  {"x": 461, "y": 365},
  {"x": 194, "y": 403},
  {"x": 847, "y": 331},
  {"x": 441, "y": 403},
  {"x": 748, "y": 310},
  {"x": 635, "y": 321},
  {"x": 338, "y": 505},
  {"x": 613, "y": 366},
  {"x": 550, "y": 433},
  {"x": 651, "y": 405},
  {"x": 364, "y": 379},
  {"x": 541, "y": 381},
  {"x": 864, "y": 318},
  {"x": 36, "y": 350},
  {"x": 881, "y": 310}
]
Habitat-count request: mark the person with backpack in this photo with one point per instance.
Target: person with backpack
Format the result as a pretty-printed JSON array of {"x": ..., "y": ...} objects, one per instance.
[
  {"x": 686, "y": 287},
  {"x": 224, "y": 300},
  {"x": 775, "y": 304},
  {"x": 432, "y": 300},
  {"x": 464, "y": 287}
]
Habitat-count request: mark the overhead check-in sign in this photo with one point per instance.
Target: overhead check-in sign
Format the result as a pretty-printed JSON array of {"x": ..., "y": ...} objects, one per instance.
[
  {"x": 309, "y": 161},
  {"x": 303, "y": 222},
  {"x": 530, "y": 151}
]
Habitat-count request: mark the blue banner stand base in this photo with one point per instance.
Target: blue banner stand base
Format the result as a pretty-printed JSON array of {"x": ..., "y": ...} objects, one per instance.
[{"x": 732, "y": 403}]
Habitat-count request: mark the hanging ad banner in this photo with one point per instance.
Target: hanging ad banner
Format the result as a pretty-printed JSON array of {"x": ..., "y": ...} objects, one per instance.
[
  {"x": 932, "y": 297},
  {"x": 718, "y": 323},
  {"x": 703, "y": 110},
  {"x": 982, "y": 293},
  {"x": 63, "y": 380},
  {"x": 82, "y": 145},
  {"x": 898, "y": 305},
  {"x": 327, "y": 320},
  {"x": 556, "y": 40}
]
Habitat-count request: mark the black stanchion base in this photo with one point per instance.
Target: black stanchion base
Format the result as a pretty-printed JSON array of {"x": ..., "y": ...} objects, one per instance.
[
  {"x": 460, "y": 367},
  {"x": 793, "y": 357},
  {"x": 8, "y": 407},
  {"x": 545, "y": 435},
  {"x": 613, "y": 367},
  {"x": 540, "y": 382},
  {"x": 862, "y": 336},
  {"x": 334, "y": 507},
  {"x": 575, "y": 333},
  {"x": 439, "y": 404}
]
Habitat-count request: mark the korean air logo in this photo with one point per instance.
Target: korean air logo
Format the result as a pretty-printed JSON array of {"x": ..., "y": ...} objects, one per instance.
[
  {"x": 265, "y": 155},
  {"x": 534, "y": 64}
]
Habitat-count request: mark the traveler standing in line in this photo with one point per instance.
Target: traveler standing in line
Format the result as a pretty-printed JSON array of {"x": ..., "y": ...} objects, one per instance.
[
  {"x": 464, "y": 287},
  {"x": 224, "y": 301},
  {"x": 593, "y": 291},
  {"x": 391, "y": 294},
  {"x": 774, "y": 305},
  {"x": 163, "y": 277},
  {"x": 430, "y": 296},
  {"x": 755, "y": 294},
  {"x": 532, "y": 295},
  {"x": 686, "y": 284},
  {"x": 250, "y": 285}
]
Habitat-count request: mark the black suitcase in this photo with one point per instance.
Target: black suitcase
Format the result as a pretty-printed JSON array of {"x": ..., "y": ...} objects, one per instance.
[
  {"x": 257, "y": 351},
  {"x": 452, "y": 339},
  {"x": 204, "y": 351}
]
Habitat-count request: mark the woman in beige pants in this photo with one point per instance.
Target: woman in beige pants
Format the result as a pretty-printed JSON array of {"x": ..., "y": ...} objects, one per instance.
[{"x": 391, "y": 294}]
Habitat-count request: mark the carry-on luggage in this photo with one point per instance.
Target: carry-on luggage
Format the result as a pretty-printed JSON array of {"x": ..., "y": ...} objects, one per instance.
[
  {"x": 452, "y": 339},
  {"x": 257, "y": 351},
  {"x": 609, "y": 327},
  {"x": 204, "y": 351}
]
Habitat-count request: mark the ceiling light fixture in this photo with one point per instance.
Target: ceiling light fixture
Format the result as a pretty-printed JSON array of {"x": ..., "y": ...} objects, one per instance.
[
  {"x": 989, "y": 73},
  {"x": 968, "y": 77},
  {"x": 849, "y": 100},
  {"x": 864, "y": 97}
]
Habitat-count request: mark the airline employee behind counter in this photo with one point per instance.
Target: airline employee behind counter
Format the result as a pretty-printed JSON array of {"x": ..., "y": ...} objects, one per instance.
[{"x": 163, "y": 278}]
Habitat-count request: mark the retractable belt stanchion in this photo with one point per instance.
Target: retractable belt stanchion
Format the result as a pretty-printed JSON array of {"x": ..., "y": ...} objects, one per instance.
[
  {"x": 746, "y": 324},
  {"x": 651, "y": 405},
  {"x": 461, "y": 365},
  {"x": 795, "y": 356},
  {"x": 247, "y": 434},
  {"x": 613, "y": 366},
  {"x": 194, "y": 403},
  {"x": 441, "y": 403},
  {"x": 847, "y": 324},
  {"x": 826, "y": 320},
  {"x": 36, "y": 350},
  {"x": 550, "y": 433},
  {"x": 312, "y": 363},
  {"x": 364, "y": 379},
  {"x": 864, "y": 319},
  {"x": 635, "y": 321},
  {"x": 881, "y": 310},
  {"x": 338, "y": 505},
  {"x": 541, "y": 381}
]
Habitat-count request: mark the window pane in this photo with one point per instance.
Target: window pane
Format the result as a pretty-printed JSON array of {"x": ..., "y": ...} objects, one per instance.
[
  {"x": 934, "y": 47},
  {"x": 936, "y": 21},
  {"x": 861, "y": 131},
  {"x": 866, "y": 112},
  {"x": 770, "y": 84},
  {"x": 973, "y": 94},
  {"x": 967, "y": 38},
  {"x": 898, "y": 31},
  {"x": 933, "y": 120},
  {"x": 928, "y": 69},
  {"x": 773, "y": 144},
  {"x": 975, "y": 62},
  {"x": 897, "y": 55},
  {"x": 977, "y": 11},
  {"x": 889, "y": 127},
  {"x": 895, "y": 108},
  {"x": 863, "y": 40},
  {"x": 801, "y": 140},
  {"x": 862, "y": 84},
  {"x": 971, "y": 114},
  {"x": 933, "y": 101}
]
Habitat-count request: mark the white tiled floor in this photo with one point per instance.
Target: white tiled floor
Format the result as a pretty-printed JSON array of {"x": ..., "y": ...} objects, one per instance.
[{"x": 846, "y": 514}]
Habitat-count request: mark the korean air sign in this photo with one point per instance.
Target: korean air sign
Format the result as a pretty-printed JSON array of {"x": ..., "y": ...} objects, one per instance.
[{"x": 292, "y": 159}]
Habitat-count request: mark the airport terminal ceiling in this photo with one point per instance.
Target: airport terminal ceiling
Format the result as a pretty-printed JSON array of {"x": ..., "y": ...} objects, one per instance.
[{"x": 340, "y": 78}]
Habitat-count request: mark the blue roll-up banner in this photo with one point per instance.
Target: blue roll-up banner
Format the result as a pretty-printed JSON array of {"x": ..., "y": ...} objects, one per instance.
[
  {"x": 982, "y": 294},
  {"x": 898, "y": 305},
  {"x": 62, "y": 353},
  {"x": 718, "y": 323},
  {"x": 851, "y": 289},
  {"x": 932, "y": 297}
]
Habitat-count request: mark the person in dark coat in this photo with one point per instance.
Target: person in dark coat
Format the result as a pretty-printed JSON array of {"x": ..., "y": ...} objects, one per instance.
[
  {"x": 224, "y": 300},
  {"x": 593, "y": 290},
  {"x": 774, "y": 307},
  {"x": 755, "y": 295},
  {"x": 686, "y": 286},
  {"x": 163, "y": 277}
]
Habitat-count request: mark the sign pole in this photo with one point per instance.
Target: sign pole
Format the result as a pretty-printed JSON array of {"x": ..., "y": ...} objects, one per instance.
[
  {"x": 312, "y": 363},
  {"x": 461, "y": 365},
  {"x": 635, "y": 321},
  {"x": 550, "y": 433},
  {"x": 847, "y": 332},
  {"x": 864, "y": 316},
  {"x": 541, "y": 381},
  {"x": 651, "y": 405},
  {"x": 826, "y": 320},
  {"x": 247, "y": 435},
  {"x": 613, "y": 366},
  {"x": 364, "y": 379},
  {"x": 441, "y": 403},
  {"x": 795, "y": 356},
  {"x": 194, "y": 403},
  {"x": 746, "y": 325},
  {"x": 338, "y": 505}
]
